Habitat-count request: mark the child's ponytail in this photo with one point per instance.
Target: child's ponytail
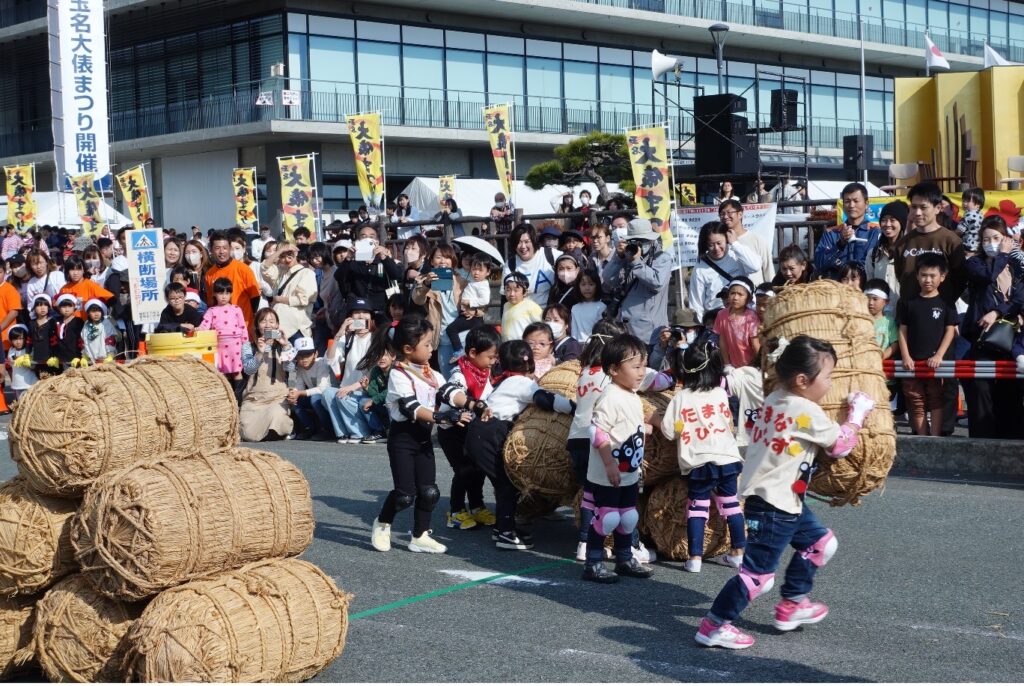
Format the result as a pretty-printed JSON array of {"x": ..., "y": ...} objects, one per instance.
[{"x": 380, "y": 345}]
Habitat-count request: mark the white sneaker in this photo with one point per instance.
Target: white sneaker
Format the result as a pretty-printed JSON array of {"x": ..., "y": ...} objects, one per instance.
[
  {"x": 581, "y": 551},
  {"x": 643, "y": 555},
  {"x": 426, "y": 544},
  {"x": 380, "y": 536},
  {"x": 692, "y": 565},
  {"x": 727, "y": 560}
]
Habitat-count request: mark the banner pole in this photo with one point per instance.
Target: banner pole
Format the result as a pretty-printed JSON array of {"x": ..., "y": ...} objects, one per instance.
[
  {"x": 383, "y": 167},
  {"x": 256, "y": 198},
  {"x": 316, "y": 194},
  {"x": 512, "y": 150}
]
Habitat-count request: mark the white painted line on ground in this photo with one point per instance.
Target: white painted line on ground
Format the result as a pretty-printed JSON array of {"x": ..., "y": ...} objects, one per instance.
[
  {"x": 983, "y": 633},
  {"x": 680, "y": 672},
  {"x": 469, "y": 575}
]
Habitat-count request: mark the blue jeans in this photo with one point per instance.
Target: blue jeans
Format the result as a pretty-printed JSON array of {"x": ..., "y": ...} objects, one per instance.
[
  {"x": 444, "y": 354},
  {"x": 348, "y": 415},
  {"x": 769, "y": 531},
  {"x": 311, "y": 412}
]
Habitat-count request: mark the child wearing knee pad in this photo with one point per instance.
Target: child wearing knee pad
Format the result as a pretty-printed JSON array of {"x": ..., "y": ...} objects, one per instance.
[
  {"x": 699, "y": 419},
  {"x": 411, "y": 398},
  {"x": 784, "y": 441},
  {"x": 592, "y": 382},
  {"x": 618, "y": 430}
]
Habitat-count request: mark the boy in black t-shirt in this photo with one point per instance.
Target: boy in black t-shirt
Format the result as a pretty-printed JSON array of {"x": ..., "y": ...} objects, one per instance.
[{"x": 927, "y": 326}]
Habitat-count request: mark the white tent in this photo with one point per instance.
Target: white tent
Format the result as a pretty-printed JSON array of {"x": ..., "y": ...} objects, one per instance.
[
  {"x": 61, "y": 209},
  {"x": 475, "y": 197}
]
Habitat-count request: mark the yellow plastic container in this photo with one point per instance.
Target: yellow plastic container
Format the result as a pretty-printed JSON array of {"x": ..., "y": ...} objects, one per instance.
[{"x": 202, "y": 345}]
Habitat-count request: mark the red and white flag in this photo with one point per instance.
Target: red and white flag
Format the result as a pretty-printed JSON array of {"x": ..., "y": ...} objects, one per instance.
[{"x": 933, "y": 57}]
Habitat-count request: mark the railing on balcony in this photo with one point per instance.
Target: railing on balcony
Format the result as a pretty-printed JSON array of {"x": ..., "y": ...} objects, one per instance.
[
  {"x": 797, "y": 17},
  {"x": 419, "y": 108}
]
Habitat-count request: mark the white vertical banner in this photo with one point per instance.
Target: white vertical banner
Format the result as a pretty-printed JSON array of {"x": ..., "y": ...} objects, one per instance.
[
  {"x": 146, "y": 274},
  {"x": 78, "y": 88}
]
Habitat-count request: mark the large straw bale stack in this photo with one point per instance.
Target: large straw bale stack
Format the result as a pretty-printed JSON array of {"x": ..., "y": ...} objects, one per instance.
[
  {"x": 661, "y": 461},
  {"x": 160, "y": 523},
  {"x": 838, "y": 314},
  {"x": 35, "y": 539},
  {"x": 282, "y": 620},
  {"x": 537, "y": 457},
  {"x": 562, "y": 379},
  {"x": 79, "y": 633},
  {"x": 72, "y": 428},
  {"x": 15, "y": 634},
  {"x": 663, "y": 518}
]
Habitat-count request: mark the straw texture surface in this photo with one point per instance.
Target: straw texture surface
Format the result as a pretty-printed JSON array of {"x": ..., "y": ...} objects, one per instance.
[
  {"x": 283, "y": 620},
  {"x": 660, "y": 460},
  {"x": 72, "y": 428},
  {"x": 79, "y": 633},
  {"x": 157, "y": 524},
  {"x": 35, "y": 539},
  {"x": 838, "y": 314},
  {"x": 537, "y": 457},
  {"x": 663, "y": 518},
  {"x": 562, "y": 379},
  {"x": 15, "y": 634}
]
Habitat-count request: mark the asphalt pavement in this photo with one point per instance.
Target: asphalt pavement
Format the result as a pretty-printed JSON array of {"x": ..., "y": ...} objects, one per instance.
[{"x": 925, "y": 586}]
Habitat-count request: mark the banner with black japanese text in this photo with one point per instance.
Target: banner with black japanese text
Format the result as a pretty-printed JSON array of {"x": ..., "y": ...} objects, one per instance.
[
  {"x": 136, "y": 195},
  {"x": 297, "y": 194},
  {"x": 88, "y": 202},
  {"x": 244, "y": 184},
  {"x": 368, "y": 146},
  {"x": 21, "y": 203},
  {"x": 652, "y": 173},
  {"x": 498, "y": 122}
]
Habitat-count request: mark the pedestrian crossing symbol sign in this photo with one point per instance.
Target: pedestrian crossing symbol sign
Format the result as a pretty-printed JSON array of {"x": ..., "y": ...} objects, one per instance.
[{"x": 143, "y": 240}]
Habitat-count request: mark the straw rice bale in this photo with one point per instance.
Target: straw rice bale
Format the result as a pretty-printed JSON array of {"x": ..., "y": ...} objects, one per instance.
[
  {"x": 838, "y": 314},
  {"x": 157, "y": 524},
  {"x": 537, "y": 457},
  {"x": 282, "y": 620},
  {"x": 15, "y": 634},
  {"x": 663, "y": 518},
  {"x": 35, "y": 539},
  {"x": 661, "y": 462},
  {"x": 79, "y": 633},
  {"x": 535, "y": 506},
  {"x": 562, "y": 379},
  {"x": 72, "y": 428}
]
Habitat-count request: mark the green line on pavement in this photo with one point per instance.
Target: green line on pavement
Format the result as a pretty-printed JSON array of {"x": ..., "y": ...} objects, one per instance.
[{"x": 457, "y": 587}]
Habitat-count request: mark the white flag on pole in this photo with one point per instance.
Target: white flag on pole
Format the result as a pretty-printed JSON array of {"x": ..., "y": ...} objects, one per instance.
[
  {"x": 994, "y": 59},
  {"x": 933, "y": 57}
]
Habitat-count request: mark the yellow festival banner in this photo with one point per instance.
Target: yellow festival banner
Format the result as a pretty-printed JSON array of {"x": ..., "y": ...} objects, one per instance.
[
  {"x": 244, "y": 184},
  {"x": 497, "y": 121},
  {"x": 21, "y": 188},
  {"x": 445, "y": 188},
  {"x": 297, "y": 194},
  {"x": 1007, "y": 204},
  {"x": 136, "y": 195},
  {"x": 88, "y": 201},
  {"x": 648, "y": 155},
  {"x": 368, "y": 145}
]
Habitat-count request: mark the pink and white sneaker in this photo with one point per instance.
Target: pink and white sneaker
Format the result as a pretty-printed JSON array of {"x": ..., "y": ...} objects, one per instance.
[
  {"x": 789, "y": 614},
  {"x": 723, "y": 636}
]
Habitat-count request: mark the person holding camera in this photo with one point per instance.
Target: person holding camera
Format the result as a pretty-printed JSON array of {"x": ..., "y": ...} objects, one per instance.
[
  {"x": 291, "y": 290},
  {"x": 370, "y": 273},
  {"x": 266, "y": 361},
  {"x": 637, "y": 275}
]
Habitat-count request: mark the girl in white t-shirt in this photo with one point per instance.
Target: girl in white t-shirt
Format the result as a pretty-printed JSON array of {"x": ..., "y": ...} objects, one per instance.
[
  {"x": 699, "y": 419},
  {"x": 412, "y": 391},
  {"x": 589, "y": 309},
  {"x": 784, "y": 442}
]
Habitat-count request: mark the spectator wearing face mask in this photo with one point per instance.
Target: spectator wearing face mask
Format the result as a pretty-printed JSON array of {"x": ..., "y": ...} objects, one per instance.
[{"x": 567, "y": 270}]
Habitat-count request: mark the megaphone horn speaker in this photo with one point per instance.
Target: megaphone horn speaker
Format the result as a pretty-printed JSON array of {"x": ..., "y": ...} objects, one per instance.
[{"x": 661, "y": 64}]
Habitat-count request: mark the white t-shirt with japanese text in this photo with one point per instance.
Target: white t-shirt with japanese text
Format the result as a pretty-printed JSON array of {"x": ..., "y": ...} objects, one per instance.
[
  {"x": 620, "y": 414},
  {"x": 702, "y": 423},
  {"x": 591, "y": 384},
  {"x": 784, "y": 442}
]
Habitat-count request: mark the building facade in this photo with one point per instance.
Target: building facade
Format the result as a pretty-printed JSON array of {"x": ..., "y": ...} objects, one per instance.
[{"x": 185, "y": 76}]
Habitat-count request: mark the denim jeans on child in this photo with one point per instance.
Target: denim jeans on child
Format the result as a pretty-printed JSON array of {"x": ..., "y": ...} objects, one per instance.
[
  {"x": 348, "y": 415},
  {"x": 312, "y": 414},
  {"x": 769, "y": 531}
]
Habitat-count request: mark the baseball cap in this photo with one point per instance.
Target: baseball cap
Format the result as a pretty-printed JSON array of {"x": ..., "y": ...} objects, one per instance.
[
  {"x": 360, "y": 304},
  {"x": 305, "y": 345}
]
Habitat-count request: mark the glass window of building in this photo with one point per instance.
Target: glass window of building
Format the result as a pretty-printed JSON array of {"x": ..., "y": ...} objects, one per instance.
[
  {"x": 544, "y": 94},
  {"x": 466, "y": 88},
  {"x": 417, "y": 35},
  {"x": 544, "y": 48},
  {"x": 505, "y": 79},
  {"x": 382, "y": 91},
  {"x": 616, "y": 97},
  {"x": 464, "y": 40},
  {"x": 580, "y": 97},
  {"x": 423, "y": 70}
]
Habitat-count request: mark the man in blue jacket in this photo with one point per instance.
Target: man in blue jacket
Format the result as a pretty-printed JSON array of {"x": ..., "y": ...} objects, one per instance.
[{"x": 854, "y": 240}]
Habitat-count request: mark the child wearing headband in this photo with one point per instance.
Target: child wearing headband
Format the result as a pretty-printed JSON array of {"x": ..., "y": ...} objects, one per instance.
[
  {"x": 618, "y": 431},
  {"x": 519, "y": 311},
  {"x": 737, "y": 325},
  {"x": 787, "y": 437},
  {"x": 699, "y": 419},
  {"x": 886, "y": 332}
]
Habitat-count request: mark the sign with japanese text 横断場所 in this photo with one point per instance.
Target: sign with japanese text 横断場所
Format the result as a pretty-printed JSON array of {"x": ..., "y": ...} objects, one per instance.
[
  {"x": 146, "y": 274},
  {"x": 78, "y": 86},
  {"x": 21, "y": 203}
]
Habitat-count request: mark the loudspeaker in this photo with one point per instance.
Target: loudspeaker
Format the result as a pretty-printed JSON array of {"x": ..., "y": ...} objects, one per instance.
[
  {"x": 721, "y": 142},
  {"x": 784, "y": 102},
  {"x": 858, "y": 151}
]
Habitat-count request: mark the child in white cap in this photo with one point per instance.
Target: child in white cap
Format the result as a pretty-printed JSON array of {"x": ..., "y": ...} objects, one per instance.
[{"x": 99, "y": 336}]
